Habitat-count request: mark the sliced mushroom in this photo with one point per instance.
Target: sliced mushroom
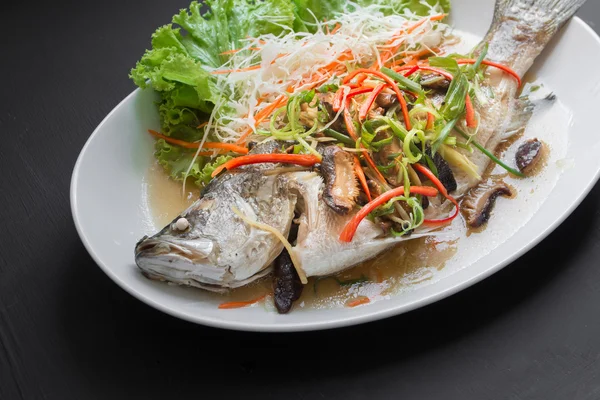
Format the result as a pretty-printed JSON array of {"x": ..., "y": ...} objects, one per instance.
[
  {"x": 479, "y": 202},
  {"x": 341, "y": 187},
  {"x": 376, "y": 112},
  {"x": 529, "y": 155},
  {"x": 444, "y": 171},
  {"x": 374, "y": 189},
  {"x": 434, "y": 81},
  {"x": 287, "y": 284},
  {"x": 385, "y": 156},
  {"x": 386, "y": 100}
]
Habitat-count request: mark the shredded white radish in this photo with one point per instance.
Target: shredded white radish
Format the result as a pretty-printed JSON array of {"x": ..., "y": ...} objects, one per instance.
[{"x": 296, "y": 61}]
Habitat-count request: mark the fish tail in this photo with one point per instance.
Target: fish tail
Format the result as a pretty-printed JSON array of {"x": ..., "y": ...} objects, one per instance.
[
  {"x": 556, "y": 11},
  {"x": 522, "y": 28}
]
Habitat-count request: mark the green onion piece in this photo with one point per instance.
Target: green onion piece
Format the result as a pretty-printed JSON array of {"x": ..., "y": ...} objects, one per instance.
[
  {"x": 484, "y": 51},
  {"x": 420, "y": 108},
  {"x": 397, "y": 128},
  {"x": 339, "y": 136},
  {"x": 387, "y": 208},
  {"x": 385, "y": 168},
  {"x": 465, "y": 146},
  {"x": 407, "y": 150},
  {"x": 329, "y": 87},
  {"x": 443, "y": 134},
  {"x": 377, "y": 145},
  {"x": 403, "y": 82},
  {"x": 351, "y": 282},
  {"x": 454, "y": 102},
  {"x": 309, "y": 147},
  {"x": 450, "y": 140},
  {"x": 405, "y": 178},
  {"x": 490, "y": 155},
  {"x": 431, "y": 164},
  {"x": 447, "y": 63},
  {"x": 417, "y": 217}
]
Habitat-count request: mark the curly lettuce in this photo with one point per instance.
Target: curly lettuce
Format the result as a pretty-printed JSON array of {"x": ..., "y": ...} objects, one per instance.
[{"x": 176, "y": 161}]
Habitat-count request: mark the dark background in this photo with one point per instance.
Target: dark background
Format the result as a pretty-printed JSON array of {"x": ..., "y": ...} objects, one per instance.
[{"x": 532, "y": 331}]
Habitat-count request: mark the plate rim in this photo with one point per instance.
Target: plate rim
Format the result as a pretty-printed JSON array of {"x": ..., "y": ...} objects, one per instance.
[{"x": 340, "y": 322}]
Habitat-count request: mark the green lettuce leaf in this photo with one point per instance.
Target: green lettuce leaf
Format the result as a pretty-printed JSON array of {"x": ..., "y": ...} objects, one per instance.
[{"x": 176, "y": 160}]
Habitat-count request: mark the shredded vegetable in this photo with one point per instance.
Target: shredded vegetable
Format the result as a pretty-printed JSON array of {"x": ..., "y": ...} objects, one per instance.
[
  {"x": 350, "y": 228},
  {"x": 359, "y": 75}
]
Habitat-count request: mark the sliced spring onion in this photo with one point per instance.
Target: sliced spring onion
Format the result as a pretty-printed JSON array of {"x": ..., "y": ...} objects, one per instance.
[
  {"x": 454, "y": 102},
  {"x": 447, "y": 63},
  {"x": 484, "y": 51},
  {"x": 403, "y": 82},
  {"x": 443, "y": 134},
  {"x": 339, "y": 136},
  {"x": 490, "y": 155},
  {"x": 412, "y": 158}
]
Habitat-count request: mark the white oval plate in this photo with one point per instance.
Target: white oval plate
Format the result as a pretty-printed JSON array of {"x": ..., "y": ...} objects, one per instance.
[{"x": 107, "y": 196}]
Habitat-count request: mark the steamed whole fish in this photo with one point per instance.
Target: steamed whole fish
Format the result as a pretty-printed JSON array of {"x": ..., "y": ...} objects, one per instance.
[{"x": 212, "y": 245}]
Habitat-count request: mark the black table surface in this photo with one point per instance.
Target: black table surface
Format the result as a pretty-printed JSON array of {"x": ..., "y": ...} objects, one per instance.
[{"x": 531, "y": 331}]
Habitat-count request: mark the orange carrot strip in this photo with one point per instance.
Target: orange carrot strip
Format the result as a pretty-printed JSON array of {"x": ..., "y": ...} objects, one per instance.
[
  {"x": 368, "y": 103},
  {"x": 428, "y": 174},
  {"x": 352, "y": 225},
  {"x": 470, "y": 116},
  {"x": 338, "y": 99},
  {"x": 390, "y": 82},
  {"x": 409, "y": 30},
  {"x": 336, "y": 28},
  {"x": 240, "y": 304},
  {"x": 350, "y": 124},
  {"x": 358, "y": 302},
  {"x": 439, "y": 71},
  {"x": 306, "y": 160},
  {"x": 202, "y": 125},
  {"x": 438, "y": 17},
  {"x": 430, "y": 121},
  {"x": 504, "y": 68},
  {"x": 352, "y": 132},
  {"x": 260, "y": 117},
  {"x": 195, "y": 145},
  {"x": 359, "y": 90},
  {"x": 229, "y": 71},
  {"x": 360, "y": 174}
]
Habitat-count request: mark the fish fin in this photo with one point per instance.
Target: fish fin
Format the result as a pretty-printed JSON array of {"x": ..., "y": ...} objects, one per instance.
[
  {"x": 521, "y": 111},
  {"x": 522, "y": 28}
]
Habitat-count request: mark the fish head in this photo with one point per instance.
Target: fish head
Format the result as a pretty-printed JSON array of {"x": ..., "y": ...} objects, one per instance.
[{"x": 210, "y": 246}]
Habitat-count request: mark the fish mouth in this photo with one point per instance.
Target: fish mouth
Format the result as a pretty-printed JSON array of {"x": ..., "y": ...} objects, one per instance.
[
  {"x": 187, "y": 250},
  {"x": 190, "y": 263},
  {"x": 180, "y": 261}
]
